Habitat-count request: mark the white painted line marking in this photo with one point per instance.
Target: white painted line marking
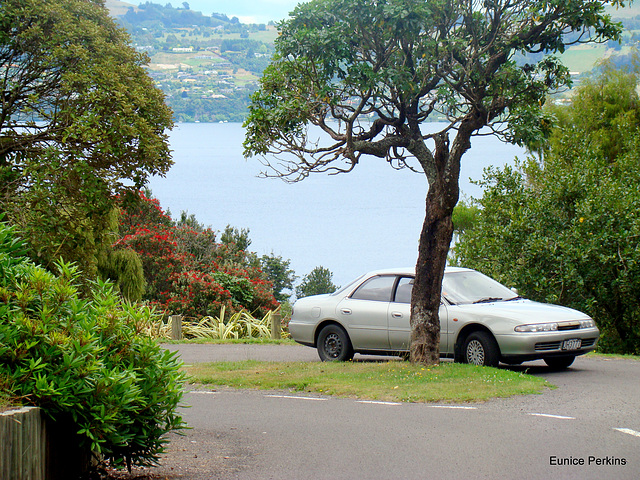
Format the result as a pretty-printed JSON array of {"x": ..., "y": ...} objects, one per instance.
[
  {"x": 203, "y": 392},
  {"x": 297, "y": 398},
  {"x": 629, "y": 431},
  {"x": 378, "y": 402},
  {"x": 453, "y": 407},
  {"x": 561, "y": 417}
]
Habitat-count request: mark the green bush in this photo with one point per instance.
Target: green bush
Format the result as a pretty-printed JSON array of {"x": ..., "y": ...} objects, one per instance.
[{"x": 85, "y": 360}]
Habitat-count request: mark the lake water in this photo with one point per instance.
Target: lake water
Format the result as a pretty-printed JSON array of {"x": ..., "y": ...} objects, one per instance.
[{"x": 349, "y": 223}]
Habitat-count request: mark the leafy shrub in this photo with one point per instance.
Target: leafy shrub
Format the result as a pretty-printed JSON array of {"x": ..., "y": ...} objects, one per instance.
[{"x": 85, "y": 360}]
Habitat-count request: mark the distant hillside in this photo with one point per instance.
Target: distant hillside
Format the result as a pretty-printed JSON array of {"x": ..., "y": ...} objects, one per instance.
[
  {"x": 206, "y": 65},
  {"x": 209, "y": 65},
  {"x": 150, "y": 14},
  {"x": 117, "y": 8}
]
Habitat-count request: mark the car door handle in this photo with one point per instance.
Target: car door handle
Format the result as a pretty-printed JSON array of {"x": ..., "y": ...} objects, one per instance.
[
  {"x": 346, "y": 311},
  {"x": 396, "y": 314}
]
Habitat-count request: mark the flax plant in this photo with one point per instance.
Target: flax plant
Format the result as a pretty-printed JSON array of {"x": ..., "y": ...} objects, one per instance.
[{"x": 239, "y": 325}]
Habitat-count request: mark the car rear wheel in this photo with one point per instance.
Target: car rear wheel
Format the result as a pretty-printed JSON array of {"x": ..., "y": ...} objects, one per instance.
[
  {"x": 334, "y": 344},
  {"x": 559, "y": 363},
  {"x": 480, "y": 348}
]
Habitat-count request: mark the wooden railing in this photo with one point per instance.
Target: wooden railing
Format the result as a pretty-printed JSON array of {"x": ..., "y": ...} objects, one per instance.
[
  {"x": 22, "y": 444},
  {"x": 34, "y": 448}
]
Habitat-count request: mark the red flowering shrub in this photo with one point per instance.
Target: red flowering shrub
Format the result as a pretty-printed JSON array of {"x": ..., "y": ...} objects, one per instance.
[
  {"x": 195, "y": 294},
  {"x": 160, "y": 259},
  {"x": 263, "y": 299},
  {"x": 187, "y": 272},
  {"x": 141, "y": 211}
]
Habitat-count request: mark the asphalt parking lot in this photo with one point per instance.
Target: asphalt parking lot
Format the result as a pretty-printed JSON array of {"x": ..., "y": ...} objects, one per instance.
[{"x": 586, "y": 428}]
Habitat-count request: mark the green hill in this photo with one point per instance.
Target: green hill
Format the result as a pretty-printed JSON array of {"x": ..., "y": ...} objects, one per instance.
[
  {"x": 117, "y": 8},
  {"x": 208, "y": 65}
]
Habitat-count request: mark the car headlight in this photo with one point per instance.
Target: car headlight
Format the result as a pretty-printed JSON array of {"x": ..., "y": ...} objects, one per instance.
[
  {"x": 554, "y": 327},
  {"x": 537, "y": 327},
  {"x": 587, "y": 323}
]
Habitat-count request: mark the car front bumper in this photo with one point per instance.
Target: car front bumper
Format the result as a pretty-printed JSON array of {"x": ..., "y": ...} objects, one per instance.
[{"x": 530, "y": 346}]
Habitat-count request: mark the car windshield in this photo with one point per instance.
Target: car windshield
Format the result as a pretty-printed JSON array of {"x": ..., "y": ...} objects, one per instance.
[
  {"x": 473, "y": 287},
  {"x": 347, "y": 286}
]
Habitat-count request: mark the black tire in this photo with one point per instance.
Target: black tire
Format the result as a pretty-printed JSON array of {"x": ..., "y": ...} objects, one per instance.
[
  {"x": 559, "y": 363},
  {"x": 334, "y": 344},
  {"x": 480, "y": 348}
]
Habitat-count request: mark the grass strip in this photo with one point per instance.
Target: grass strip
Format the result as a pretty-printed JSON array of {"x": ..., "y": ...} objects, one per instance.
[
  {"x": 216, "y": 341},
  {"x": 384, "y": 381},
  {"x": 613, "y": 356}
]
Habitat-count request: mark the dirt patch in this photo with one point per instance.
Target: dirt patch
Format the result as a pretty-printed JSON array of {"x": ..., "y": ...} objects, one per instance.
[{"x": 189, "y": 458}]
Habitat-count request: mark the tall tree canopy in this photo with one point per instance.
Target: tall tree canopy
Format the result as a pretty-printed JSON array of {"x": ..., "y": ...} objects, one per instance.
[
  {"x": 368, "y": 73},
  {"x": 316, "y": 282},
  {"x": 79, "y": 121},
  {"x": 564, "y": 227}
]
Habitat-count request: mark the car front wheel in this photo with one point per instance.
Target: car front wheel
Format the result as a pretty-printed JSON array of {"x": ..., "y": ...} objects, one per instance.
[
  {"x": 334, "y": 344},
  {"x": 559, "y": 363},
  {"x": 480, "y": 348}
]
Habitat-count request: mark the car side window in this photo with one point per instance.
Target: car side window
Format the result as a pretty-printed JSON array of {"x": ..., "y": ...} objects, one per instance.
[
  {"x": 377, "y": 289},
  {"x": 403, "y": 291}
]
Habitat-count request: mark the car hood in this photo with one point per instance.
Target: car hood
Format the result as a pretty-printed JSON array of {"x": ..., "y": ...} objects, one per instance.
[{"x": 523, "y": 311}]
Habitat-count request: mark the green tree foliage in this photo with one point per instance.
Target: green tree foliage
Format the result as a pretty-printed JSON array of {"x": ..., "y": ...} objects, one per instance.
[
  {"x": 124, "y": 268},
  {"x": 565, "y": 229},
  {"x": 235, "y": 238},
  {"x": 232, "y": 108},
  {"x": 187, "y": 220},
  {"x": 464, "y": 216},
  {"x": 367, "y": 73},
  {"x": 275, "y": 268},
  {"x": 316, "y": 282},
  {"x": 85, "y": 360},
  {"x": 239, "y": 45},
  {"x": 279, "y": 274},
  {"x": 80, "y": 120}
]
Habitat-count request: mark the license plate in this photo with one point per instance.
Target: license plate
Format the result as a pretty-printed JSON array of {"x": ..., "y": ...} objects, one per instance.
[{"x": 573, "y": 344}]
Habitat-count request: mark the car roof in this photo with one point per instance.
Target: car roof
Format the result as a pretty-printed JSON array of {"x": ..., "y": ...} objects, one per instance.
[{"x": 410, "y": 271}]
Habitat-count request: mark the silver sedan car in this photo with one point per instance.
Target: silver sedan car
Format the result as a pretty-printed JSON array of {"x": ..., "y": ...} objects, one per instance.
[{"x": 481, "y": 321}]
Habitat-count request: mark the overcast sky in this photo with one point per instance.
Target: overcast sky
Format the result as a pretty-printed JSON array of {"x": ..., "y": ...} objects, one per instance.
[{"x": 248, "y": 11}]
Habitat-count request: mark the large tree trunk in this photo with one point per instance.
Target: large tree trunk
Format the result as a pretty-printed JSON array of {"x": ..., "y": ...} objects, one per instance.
[{"x": 435, "y": 239}]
